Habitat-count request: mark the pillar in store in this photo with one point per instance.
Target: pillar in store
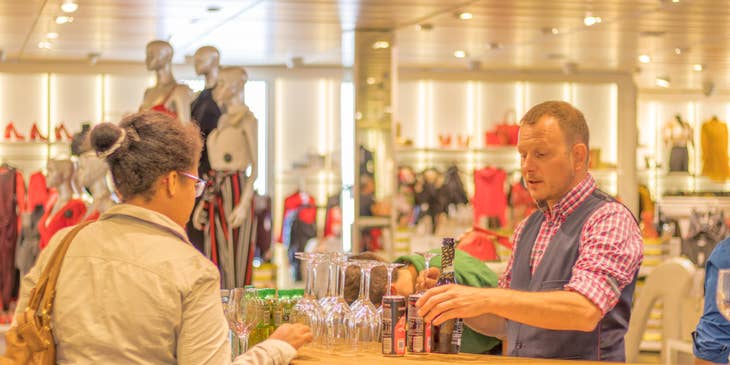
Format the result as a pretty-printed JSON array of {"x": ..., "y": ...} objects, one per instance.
[{"x": 374, "y": 79}]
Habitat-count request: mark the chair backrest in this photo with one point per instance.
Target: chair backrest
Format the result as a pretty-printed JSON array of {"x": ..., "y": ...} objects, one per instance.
[{"x": 672, "y": 282}]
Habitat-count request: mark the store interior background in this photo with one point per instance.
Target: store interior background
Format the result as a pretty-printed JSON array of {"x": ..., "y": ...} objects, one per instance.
[{"x": 637, "y": 67}]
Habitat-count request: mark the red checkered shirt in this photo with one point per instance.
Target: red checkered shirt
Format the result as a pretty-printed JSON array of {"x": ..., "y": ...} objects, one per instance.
[{"x": 610, "y": 252}]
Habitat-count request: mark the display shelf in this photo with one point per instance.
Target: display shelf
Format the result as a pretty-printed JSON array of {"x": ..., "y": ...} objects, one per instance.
[
  {"x": 662, "y": 183},
  {"x": 370, "y": 222}
]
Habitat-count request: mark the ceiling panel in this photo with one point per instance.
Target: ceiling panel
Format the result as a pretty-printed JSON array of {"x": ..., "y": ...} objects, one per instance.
[{"x": 502, "y": 34}]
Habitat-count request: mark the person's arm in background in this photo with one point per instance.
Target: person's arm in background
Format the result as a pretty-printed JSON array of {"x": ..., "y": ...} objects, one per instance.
[
  {"x": 711, "y": 339},
  {"x": 279, "y": 349}
]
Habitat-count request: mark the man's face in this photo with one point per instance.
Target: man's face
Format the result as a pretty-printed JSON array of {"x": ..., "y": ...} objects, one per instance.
[{"x": 548, "y": 164}]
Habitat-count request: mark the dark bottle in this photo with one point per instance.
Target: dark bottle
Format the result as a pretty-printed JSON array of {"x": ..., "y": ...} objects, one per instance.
[{"x": 446, "y": 337}]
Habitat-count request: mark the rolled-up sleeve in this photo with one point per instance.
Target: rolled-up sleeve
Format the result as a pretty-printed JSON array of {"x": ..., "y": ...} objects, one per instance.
[
  {"x": 611, "y": 250},
  {"x": 712, "y": 336}
]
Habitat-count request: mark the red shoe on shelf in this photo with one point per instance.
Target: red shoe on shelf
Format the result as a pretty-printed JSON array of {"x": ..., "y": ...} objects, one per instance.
[
  {"x": 61, "y": 128},
  {"x": 35, "y": 133},
  {"x": 11, "y": 132}
]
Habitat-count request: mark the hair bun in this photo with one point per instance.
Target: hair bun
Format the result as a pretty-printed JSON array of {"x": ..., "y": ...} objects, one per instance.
[{"x": 104, "y": 137}]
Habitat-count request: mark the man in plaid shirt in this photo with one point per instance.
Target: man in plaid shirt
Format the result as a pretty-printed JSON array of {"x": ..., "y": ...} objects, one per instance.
[{"x": 567, "y": 289}]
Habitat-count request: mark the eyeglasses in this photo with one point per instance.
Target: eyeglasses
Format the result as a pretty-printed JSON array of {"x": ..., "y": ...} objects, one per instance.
[{"x": 199, "y": 183}]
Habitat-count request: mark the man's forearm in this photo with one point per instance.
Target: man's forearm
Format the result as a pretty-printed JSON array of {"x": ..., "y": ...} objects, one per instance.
[
  {"x": 489, "y": 325},
  {"x": 554, "y": 310}
]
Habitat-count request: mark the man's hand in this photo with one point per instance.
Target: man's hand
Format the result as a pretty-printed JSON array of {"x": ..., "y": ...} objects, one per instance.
[
  {"x": 451, "y": 301},
  {"x": 427, "y": 279},
  {"x": 295, "y": 334}
]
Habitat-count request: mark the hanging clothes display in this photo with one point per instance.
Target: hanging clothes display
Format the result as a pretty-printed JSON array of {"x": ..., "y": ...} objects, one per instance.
[
  {"x": 264, "y": 225},
  {"x": 489, "y": 200},
  {"x": 429, "y": 198},
  {"x": 714, "y": 149},
  {"x": 299, "y": 226},
  {"x": 333, "y": 217},
  {"x": 453, "y": 187},
  {"x": 28, "y": 248},
  {"x": 37, "y": 191},
  {"x": 230, "y": 248},
  {"x": 706, "y": 230},
  {"x": 677, "y": 135},
  {"x": 70, "y": 214},
  {"x": 12, "y": 191},
  {"x": 521, "y": 201}
]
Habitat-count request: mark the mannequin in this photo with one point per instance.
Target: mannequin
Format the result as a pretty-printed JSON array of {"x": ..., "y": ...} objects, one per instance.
[
  {"x": 91, "y": 174},
  {"x": 167, "y": 96},
  {"x": 62, "y": 209},
  {"x": 225, "y": 213},
  {"x": 677, "y": 136},
  {"x": 205, "y": 112}
]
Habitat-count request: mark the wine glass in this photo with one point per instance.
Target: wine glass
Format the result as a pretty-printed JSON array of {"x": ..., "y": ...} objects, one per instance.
[
  {"x": 427, "y": 256},
  {"x": 331, "y": 259},
  {"x": 390, "y": 267},
  {"x": 225, "y": 297},
  {"x": 722, "y": 296},
  {"x": 307, "y": 310},
  {"x": 365, "y": 320},
  {"x": 244, "y": 312},
  {"x": 338, "y": 318}
]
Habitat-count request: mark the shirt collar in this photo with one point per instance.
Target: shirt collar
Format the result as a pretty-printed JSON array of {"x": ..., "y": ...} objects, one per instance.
[
  {"x": 146, "y": 215},
  {"x": 572, "y": 199}
]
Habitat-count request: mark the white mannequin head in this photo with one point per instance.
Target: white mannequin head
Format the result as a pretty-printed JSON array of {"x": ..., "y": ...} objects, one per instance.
[
  {"x": 207, "y": 59},
  {"x": 159, "y": 54},
  {"x": 231, "y": 83},
  {"x": 91, "y": 169}
]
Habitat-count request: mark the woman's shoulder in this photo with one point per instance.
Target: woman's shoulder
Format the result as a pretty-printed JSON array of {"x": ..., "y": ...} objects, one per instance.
[{"x": 720, "y": 255}]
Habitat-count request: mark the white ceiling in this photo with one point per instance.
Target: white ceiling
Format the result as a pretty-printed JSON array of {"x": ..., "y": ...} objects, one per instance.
[{"x": 255, "y": 32}]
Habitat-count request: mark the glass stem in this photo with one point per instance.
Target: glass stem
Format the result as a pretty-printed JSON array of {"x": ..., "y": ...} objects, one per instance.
[
  {"x": 311, "y": 279},
  {"x": 361, "y": 296},
  {"x": 367, "y": 284},
  {"x": 341, "y": 284},
  {"x": 244, "y": 339}
]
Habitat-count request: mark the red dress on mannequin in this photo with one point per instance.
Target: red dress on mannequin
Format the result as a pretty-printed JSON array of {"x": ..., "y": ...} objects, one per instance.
[
  {"x": 162, "y": 107},
  {"x": 70, "y": 214}
]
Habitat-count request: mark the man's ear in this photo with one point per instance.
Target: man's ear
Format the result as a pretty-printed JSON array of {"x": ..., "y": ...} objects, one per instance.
[
  {"x": 580, "y": 156},
  {"x": 173, "y": 185}
]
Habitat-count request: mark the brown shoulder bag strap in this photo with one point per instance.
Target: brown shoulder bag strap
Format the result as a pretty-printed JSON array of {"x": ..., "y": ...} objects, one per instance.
[{"x": 45, "y": 289}]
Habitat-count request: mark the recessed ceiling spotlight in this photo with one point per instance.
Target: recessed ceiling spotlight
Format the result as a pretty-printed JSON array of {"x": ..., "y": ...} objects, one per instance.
[
  {"x": 555, "y": 31},
  {"x": 62, "y": 19},
  {"x": 678, "y": 51},
  {"x": 370, "y": 81},
  {"x": 213, "y": 8},
  {"x": 69, "y": 6},
  {"x": 52, "y": 35},
  {"x": 381, "y": 45},
  {"x": 698, "y": 67},
  {"x": 644, "y": 58},
  {"x": 459, "y": 53},
  {"x": 590, "y": 20},
  {"x": 675, "y": 1},
  {"x": 424, "y": 26},
  {"x": 466, "y": 15},
  {"x": 663, "y": 82},
  {"x": 44, "y": 44}
]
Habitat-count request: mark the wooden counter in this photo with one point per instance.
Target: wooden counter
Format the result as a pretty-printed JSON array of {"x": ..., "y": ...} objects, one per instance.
[{"x": 311, "y": 356}]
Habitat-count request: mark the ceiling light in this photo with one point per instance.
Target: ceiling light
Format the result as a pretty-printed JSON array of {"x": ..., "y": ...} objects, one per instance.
[
  {"x": 662, "y": 82},
  {"x": 62, "y": 19},
  {"x": 466, "y": 16},
  {"x": 370, "y": 81},
  {"x": 644, "y": 58},
  {"x": 459, "y": 54},
  {"x": 698, "y": 67},
  {"x": 555, "y": 30},
  {"x": 44, "y": 44},
  {"x": 69, "y": 6},
  {"x": 52, "y": 35},
  {"x": 677, "y": 51},
  {"x": 381, "y": 45},
  {"x": 590, "y": 20},
  {"x": 675, "y": 1}
]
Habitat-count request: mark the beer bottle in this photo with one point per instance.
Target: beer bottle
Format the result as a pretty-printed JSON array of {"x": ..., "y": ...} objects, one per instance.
[{"x": 446, "y": 337}]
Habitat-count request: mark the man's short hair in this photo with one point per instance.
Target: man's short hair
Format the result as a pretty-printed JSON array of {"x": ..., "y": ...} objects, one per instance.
[
  {"x": 378, "y": 279},
  {"x": 570, "y": 119}
]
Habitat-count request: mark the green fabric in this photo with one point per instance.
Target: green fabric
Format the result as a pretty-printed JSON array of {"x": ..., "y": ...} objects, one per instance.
[{"x": 470, "y": 272}]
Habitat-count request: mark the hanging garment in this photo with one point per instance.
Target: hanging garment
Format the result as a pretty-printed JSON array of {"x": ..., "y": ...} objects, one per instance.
[
  {"x": 333, "y": 217},
  {"x": 28, "y": 248},
  {"x": 706, "y": 230},
  {"x": 453, "y": 187},
  {"x": 231, "y": 249},
  {"x": 204, "y": 111},
  {"x": 429, "y": 198},
  {"x": 37, "y": 191},
  {"x": 69, "y": 215},
  {"x": 298, "y": 228},
  {"x": 162, "y": 107},
  {"x": 294, "y": 201},
  {"x": 489, "y": 200},
  {"x": 367, "y": 162},
  {"x": 714, "y": 150},
  {"x": 12, "y": 190},
  {"x": 521, "y": 201},
  {"x": 264, "y": 236}
]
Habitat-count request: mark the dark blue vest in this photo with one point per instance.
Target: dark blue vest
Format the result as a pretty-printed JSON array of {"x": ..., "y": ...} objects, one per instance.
[{"x": 606, "y": 342}]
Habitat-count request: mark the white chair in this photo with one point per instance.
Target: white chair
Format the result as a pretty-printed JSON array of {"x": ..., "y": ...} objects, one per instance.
[{"x": 672, "y": 282}]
